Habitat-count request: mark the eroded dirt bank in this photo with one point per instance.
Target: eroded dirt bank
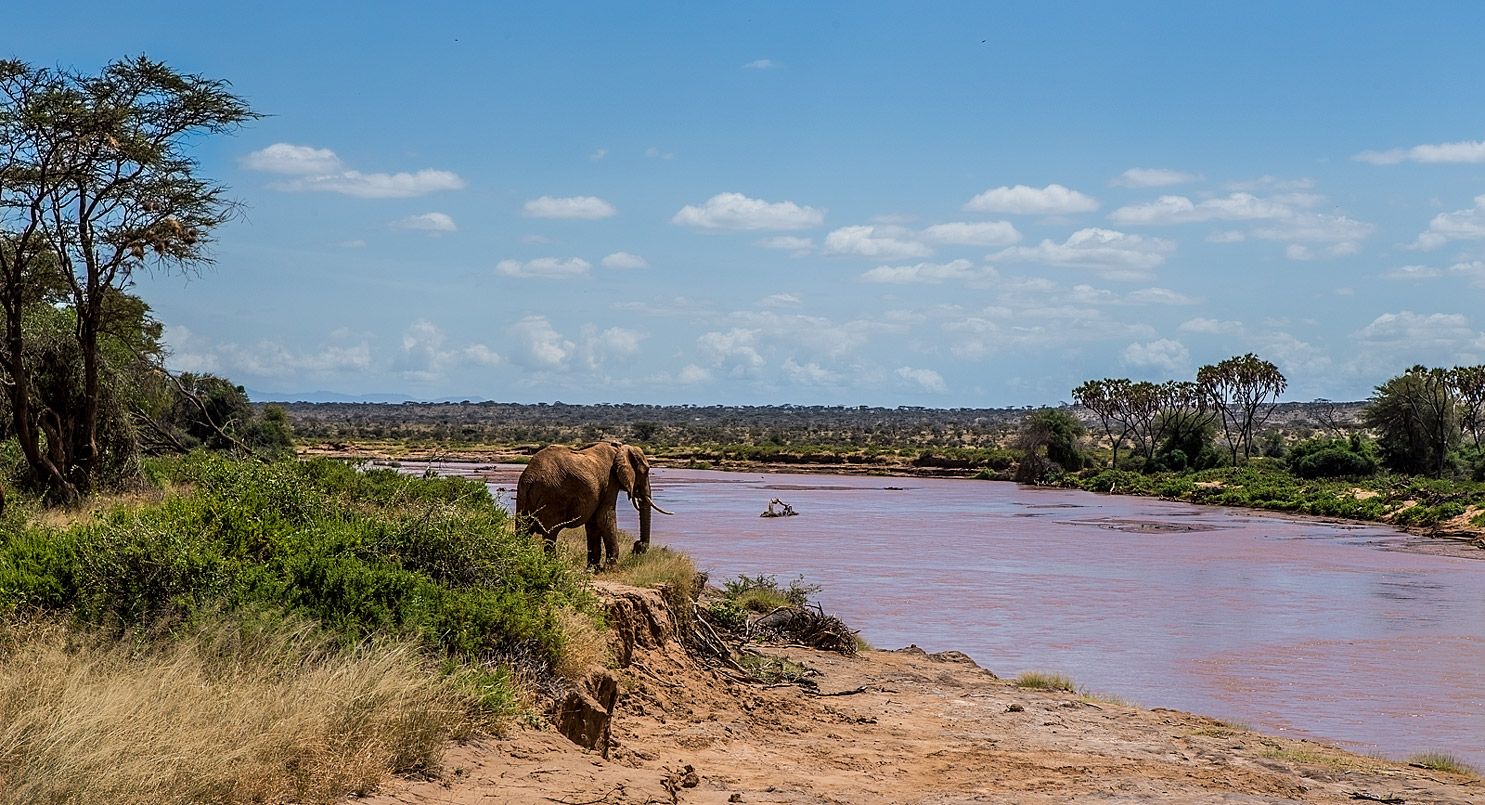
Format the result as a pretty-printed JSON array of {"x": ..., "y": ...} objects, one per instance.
[{"x": 893, "y": 726}]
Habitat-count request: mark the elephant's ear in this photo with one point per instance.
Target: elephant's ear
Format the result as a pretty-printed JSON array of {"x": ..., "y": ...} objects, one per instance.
[{"x": 624, "y": 467}]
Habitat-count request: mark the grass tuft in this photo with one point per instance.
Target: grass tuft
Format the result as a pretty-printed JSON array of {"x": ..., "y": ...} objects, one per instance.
[
  {"x": 1041, "y": 680},
  {"x": 1444, "y": 761}
]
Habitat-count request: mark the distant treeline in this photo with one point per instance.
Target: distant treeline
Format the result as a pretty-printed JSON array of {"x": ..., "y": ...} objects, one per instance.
[{"x": 685, "y": 425}]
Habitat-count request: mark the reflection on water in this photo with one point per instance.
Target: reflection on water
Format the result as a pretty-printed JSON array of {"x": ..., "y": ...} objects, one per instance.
[{"x": 1314, "y": 628}]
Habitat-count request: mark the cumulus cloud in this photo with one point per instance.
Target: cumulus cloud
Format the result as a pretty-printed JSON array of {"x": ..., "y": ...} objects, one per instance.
[
  {"x": 1116, "y": 254},
  {"x": 1154, "y": 177},
  {"x": 296, "y": 160},
  {"x": 738, "y": 212},
  {"x": 569, "y": 208},
  {"x": 922, "y": 273},
  {"x": 1406, "y": 338},
  {"x": 1182, "y": 210},
  {"x": 691, "y": 375},
  {"x": 1160, "y": 296},
  {"x": 1411, "y": 272},
  {"x": 1271, "y": 184},
  {"x": 1462, "y": 151},
  {"x": 926, "y": 379},
  {"x": 319, "y": 169},
  {"x": 738, "y": 347},
  {"x": 1299, "y": 251},
  {"x": 1315, "y": 228},
  {"x": 988, "y": 233},
  {"x": 1022, "y": 200},
  {"x": 540, "y": 345},
  {"x": 434, "y": 223},
  {"x": 760, "y": 64},
  {"x": 884, "y": 243},
  {"x": 624, "y": 260},
  {"x": 1474, "y": 269},
  {"x": 1458, "y": 225},
  {"x": 545, "y": 267},
  {"x": 1165, "y": 354},
  {"x": 810, "y": 374},
  {"x": 613, "y": 344},
  {"x": 1228, "y": 236}
]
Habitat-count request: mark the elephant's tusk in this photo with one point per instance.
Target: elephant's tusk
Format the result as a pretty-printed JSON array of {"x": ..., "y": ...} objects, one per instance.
[{"x": 657, "y": 508}]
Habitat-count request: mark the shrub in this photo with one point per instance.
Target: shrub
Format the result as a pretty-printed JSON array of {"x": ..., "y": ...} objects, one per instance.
[{"x": 1333, "y": 458}]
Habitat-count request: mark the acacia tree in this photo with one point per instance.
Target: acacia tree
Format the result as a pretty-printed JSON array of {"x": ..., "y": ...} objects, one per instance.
[
  {"x": 1243, "y": 391},
  {"x": 1107, "y": 399},
  {"x": 1468, "y": 383},
  {"x": 1414, "y": 415},
  {"x": 96, "y": 182}
]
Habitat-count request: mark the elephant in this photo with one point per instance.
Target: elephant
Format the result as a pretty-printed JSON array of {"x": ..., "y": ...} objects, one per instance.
[{"x": 564, "y": 487}]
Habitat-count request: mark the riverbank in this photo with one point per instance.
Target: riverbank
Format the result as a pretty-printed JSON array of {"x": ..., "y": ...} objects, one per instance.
[{"x": 894, "y": 727}]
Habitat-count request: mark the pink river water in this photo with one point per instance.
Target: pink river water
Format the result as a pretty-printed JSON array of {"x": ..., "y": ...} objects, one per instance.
[{"x": 1327, "y": 630}]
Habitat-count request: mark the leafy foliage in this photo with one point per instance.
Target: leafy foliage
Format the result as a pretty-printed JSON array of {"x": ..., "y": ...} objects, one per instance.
[
  {"x": 1414, "y": 416},
  {"x": 1333, "y": 458}
]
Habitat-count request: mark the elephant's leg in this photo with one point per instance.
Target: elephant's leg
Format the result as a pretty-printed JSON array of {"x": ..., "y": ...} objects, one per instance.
[
  {"x": 610, "y": 531},
  {"x": 595, "y": 544}
]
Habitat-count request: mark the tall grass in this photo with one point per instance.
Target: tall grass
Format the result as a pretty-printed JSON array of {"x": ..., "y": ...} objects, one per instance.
[{"x": 235, "y": 712}]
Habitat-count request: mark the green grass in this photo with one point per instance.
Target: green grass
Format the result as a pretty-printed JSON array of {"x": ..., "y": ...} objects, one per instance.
[
  {"x": 1042, "y": 680},
  {"x": 1444, "y": 761}
]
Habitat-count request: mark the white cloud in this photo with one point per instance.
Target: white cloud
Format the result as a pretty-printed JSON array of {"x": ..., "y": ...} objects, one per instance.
[
  {"x": 423, "y": 357},
  {"x": 760, "y": 64},
  {"x": 292, "y": 159},
  {"x": 738, "y": 212},
  {"x": 271, "y": 359},
  {"x": 988, "y": 233},
  {"x": 1315, "y": 228},
  {"x": 655, "y": 153},
  {"x": 1462, "y": 151},
  {"x": 1154, "y": 177},
  {"x": 922, "y": 273},
  {"x": 781, "y": 300},
  {"x": 598, "y": 155},
  {"x": 1118, "y": 255},
  {"x": 738, "y": 346},
  {"x": 1182, "y": 210},
  {"x": 375, "y": 185},
  {"x": 810, "y": 374},
  {"x": 1022, "y": 200},
  {"x": 1211, "y": 327},
  {"x": 570, "y": 208},
  {"x": 613, "y": 344},
  {"x": 1458, "y": 225},
  {"x": 480, "y": 355},
  {"x": 537, "y": 240},
  {"x": 349, "y": 244},
  {"x": 1160, "y": 296},
  {"x": 692, "y": 375},
  {"x": 624, "y": 260},
  {"x": 926, "y": 379},
  {"x": 1474, "y": 269},
  {"x": 434, "y": 223},
  {"x": 1172, "y": 356},
  {"x": 1411, "y": 272},
  {"x": 545, "y": 267},
  {"x": 879, "y": 242},
  {"x": 1406, "y": 338},
  {"x": 541, "y": 346}
]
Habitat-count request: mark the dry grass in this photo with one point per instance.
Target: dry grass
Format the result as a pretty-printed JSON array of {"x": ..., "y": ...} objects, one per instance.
[
  {"x": 584, "y": 644},
  {"x": 65, "y": 517},
  {"x": 235, "y": 713},
  {"x": 1333, "y": 759}
]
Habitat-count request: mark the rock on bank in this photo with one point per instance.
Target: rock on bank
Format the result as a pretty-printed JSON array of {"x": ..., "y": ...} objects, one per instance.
[{"x": 888, "y": 727}]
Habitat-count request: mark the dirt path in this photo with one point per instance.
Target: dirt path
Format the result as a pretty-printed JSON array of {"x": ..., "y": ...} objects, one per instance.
[{"x": 903, "y": 727}]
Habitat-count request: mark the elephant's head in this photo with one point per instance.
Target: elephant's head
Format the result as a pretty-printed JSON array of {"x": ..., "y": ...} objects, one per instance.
[{"x": 633, "y": 471}]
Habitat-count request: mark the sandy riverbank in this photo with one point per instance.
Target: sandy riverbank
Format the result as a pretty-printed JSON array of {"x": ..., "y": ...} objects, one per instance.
[{"x": 898, "y": 727}]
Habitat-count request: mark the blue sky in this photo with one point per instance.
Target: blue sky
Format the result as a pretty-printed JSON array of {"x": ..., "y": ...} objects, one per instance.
[{"x": 947, "y": 204}]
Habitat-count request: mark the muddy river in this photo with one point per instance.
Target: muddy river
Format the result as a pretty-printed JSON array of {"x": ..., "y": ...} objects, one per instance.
[{"x": 1330, "y": 630}]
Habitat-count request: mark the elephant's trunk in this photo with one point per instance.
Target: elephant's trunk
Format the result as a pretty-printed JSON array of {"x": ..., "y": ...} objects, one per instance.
[{"x": 644, "y": 506}]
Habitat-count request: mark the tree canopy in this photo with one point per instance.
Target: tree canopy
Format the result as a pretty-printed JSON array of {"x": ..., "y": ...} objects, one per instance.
[{"x": 96, "y": 183}]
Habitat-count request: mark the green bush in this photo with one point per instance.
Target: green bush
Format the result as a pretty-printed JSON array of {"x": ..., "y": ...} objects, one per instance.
[
  {"x": 363, "y": 554},
  {"x": 1333, "y": 458}
]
